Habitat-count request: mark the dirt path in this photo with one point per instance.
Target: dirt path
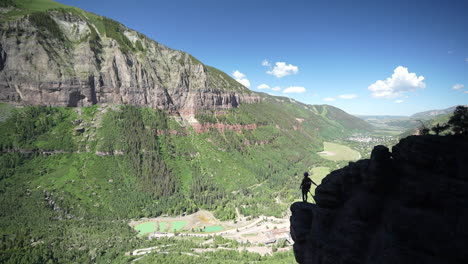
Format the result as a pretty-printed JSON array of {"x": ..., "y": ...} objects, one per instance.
[
  {"x": 239, "y": 216},
  {"x": 262, "y": 250}
]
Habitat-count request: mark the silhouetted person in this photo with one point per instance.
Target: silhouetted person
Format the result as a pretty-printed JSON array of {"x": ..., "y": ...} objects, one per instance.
[{"x": 305, "y": 186}]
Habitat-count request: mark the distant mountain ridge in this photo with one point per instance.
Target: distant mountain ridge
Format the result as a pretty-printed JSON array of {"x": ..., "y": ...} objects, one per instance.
[
  {"x": 367, "y": 117},
  {"x": 424, "y": 114},
  {"x": 433, "y": 113}
]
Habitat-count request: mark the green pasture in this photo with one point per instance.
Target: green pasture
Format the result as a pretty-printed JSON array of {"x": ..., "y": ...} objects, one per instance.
[
  {"x": 388, "y": 132},
  {"x": 212, "y": 229},
  {"x": 145, "y": 228},
  {"x": 162, "y": 226},
  {"x": 177, "y": 225},
  {"x": 341, "y": 152}
]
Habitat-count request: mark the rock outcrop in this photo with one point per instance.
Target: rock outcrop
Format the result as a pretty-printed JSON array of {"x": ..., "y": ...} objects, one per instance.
[
  {"x": 408, "y": 206},
  {"x": 76, "y": 58}
]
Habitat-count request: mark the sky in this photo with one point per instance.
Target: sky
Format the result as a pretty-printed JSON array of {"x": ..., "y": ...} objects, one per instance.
[{"x": 365, "y": 57}]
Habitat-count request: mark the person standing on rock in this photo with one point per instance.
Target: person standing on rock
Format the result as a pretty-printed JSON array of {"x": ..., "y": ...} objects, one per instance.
[{"x": 305, "y": 186}]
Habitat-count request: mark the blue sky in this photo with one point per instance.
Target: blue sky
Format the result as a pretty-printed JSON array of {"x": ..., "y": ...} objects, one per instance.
[{"x": 327, "y": 52}]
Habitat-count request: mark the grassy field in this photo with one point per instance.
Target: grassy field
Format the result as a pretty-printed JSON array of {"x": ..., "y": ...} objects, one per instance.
[
  {"x": 388, "y": 132},
  {"x": 336, "y": 152},
  {"x": 145, "y": 228},
  {"x": 212, "y": 229},
  {"x": 162, "y": 227},
  {"x": 177, "y": 225}
]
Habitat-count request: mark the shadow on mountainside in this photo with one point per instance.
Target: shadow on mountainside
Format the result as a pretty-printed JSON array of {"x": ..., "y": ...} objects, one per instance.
[{"x": 407, "y": 206}]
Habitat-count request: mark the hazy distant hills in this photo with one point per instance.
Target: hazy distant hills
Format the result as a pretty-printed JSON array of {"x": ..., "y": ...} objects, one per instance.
[
  {"x": 407, "y": 125},
  {"x": 433, "y": 113},
  {"x": 380, "y": 117},
  {"x": 425, "y": 114}
]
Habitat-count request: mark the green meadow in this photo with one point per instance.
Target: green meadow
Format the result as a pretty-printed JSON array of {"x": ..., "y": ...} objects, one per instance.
[
  {"x": 212, "y": 229},
  {"x": 177, "y": 225},
  {"x": 145, "y": 228},
  {"x": 339, "y": 152}
]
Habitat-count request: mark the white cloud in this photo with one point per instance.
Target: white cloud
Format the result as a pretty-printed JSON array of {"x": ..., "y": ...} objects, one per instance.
[
  {"x": 241, "y": 78},
  {"x": 458, "y": 86},
  {"x": 238, "y": 75},
  {"x": 399, "y": 101},
  {"x": 329, "y": 99},
  {"x": 294, "y": 89},
  {"x": 263, "y": 86},
  {"x": 266, "y": 63},
  {"x": 466, "y": 92},
  {"x": 282, "y": 69},
  {"x": 466, "y": 59},
  {"x": 401, "y": 81},
  {"x": 347, "y": 96},
  {"x": 244, "y": 82}
]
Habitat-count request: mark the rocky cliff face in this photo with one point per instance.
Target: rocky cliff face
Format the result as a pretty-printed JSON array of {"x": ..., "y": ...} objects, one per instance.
[
  {"x": 74, "y": 58},
  {"x": 408, "y": 206}
]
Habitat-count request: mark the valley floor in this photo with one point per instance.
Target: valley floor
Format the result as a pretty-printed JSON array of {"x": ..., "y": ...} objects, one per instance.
[{"x": 253, "y": 235}]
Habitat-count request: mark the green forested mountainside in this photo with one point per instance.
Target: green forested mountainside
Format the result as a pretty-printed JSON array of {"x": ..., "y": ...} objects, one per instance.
[
  {"x": 94, "y": 168},
  {"x": 165, "y": 159},
  {"x": 327, "y": 121},
  {"x": 343, "y": 118}
]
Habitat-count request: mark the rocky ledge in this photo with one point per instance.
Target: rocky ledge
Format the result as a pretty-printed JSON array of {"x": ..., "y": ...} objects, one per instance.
[{"x": 408, "y": 206}]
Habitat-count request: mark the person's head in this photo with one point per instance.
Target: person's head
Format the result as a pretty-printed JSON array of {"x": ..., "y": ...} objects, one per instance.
[{"x": 306, "y": 174}]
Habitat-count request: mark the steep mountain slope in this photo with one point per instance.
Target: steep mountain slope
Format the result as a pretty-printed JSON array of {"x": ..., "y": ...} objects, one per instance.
[
  {"x": 347, "y": 121},
  {"x": 64, "y": 56}
]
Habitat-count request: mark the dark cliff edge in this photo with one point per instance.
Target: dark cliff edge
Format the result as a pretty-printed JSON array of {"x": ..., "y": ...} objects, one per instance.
[{"x": 408, "y": 206}]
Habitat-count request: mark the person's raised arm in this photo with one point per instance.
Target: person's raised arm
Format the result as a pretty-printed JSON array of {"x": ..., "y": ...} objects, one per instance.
[{"x": 313, "y": 182}]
